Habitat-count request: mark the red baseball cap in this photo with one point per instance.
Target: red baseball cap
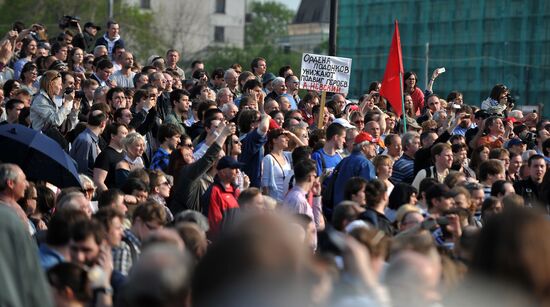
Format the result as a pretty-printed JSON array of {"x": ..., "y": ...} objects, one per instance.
[{"x": 364, "y": 136}]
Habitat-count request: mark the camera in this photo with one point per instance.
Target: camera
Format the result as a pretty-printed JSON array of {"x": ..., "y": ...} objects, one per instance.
[
  {"x": 69, "y": 21},
  {"x": 511, "y": 100},
  {"x": 69, "y": 90},
  {"x": 79, "y": 95}
]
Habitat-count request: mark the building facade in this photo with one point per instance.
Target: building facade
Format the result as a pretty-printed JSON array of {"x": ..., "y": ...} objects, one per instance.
[
  {"x": 480, "y": 43},
  {"x": 191, "y": 26}
]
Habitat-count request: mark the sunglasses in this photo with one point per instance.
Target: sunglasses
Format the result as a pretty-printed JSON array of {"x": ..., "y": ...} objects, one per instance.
[
  {"x": 190, "y": 145},
  {"x": 166, "y": 183}
]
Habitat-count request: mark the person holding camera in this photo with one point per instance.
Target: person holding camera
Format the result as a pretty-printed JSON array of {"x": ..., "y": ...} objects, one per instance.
[
  {"x": 498, "y": 101},
  {"x": 495, "y": 131},
  {"x": 85, "y": 40},
  {"x": 49, "y": 108}
]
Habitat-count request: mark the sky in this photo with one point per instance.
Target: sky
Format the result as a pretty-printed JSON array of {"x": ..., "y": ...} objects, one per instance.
[{"x": 291, "y": 4}]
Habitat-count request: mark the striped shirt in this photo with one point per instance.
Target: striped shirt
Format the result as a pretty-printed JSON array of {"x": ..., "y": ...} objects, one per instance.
[{"x": 403, "y": 170}]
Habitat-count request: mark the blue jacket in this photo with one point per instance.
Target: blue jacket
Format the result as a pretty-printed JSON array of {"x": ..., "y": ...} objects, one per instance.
[{"x": 356, "y": 165}]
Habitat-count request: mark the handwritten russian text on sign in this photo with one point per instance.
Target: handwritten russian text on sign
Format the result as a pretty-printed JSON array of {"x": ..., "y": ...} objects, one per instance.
[{"x": 325, "y": 73}]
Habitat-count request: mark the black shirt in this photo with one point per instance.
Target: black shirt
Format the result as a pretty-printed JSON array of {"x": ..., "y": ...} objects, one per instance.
[
  {"x": 529, "y": 190},
  {"x": 378, "y": 220},
  {"x": 107, "y": 161}
]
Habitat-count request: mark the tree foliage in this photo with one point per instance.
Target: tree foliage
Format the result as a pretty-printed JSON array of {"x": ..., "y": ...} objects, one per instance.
[
  {"x": 134, "y": 23},
  {"x": 268, "y": 22}
]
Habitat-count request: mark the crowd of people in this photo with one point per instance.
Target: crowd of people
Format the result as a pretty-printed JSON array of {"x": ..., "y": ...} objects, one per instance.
[{"x": 231, "y": 186}]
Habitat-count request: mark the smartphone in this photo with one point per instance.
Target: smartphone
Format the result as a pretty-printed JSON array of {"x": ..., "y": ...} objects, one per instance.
[{"x": 441, "y": 70}]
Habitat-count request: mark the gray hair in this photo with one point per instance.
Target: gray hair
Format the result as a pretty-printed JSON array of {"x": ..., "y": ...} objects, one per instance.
[
  {"x": 408, "y": 138},
  {"x": 222, "y": 90},
  {"x": 67, "y": 202},
  {"x": 359, "y": 147},
  {"x": 8, "y": 171},
  {"x": 227, "y": 107},
  {"x": 131, "y": 138},
  {"x": 437, "y": 114},
  {"x": 161, "y": 276},
  {"x": 229, "y": 72},
  {"x": 100, "y": 91},
  {"x": 194, "y": 217},
  {"x": 278, "y": 81}
]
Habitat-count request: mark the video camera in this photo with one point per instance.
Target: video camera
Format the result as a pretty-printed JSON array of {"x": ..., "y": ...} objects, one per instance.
[{"x": 69, "y": 21}]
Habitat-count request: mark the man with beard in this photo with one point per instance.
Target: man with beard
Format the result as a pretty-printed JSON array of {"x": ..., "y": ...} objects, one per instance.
[
  {"x": 169, "y": 138},
  {"x": 464, "y": 115},
  {"x": 125, "y": 76},
  {"x": 89, "y": 247}
]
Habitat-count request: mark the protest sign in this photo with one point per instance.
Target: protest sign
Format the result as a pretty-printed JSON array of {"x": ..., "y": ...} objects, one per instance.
[{"x": 325, "y": 73}]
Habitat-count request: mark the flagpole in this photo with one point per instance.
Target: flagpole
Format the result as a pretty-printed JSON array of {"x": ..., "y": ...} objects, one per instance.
[
  {"x": 322, "y": 110},
  {"x": 403, "y": 103}
]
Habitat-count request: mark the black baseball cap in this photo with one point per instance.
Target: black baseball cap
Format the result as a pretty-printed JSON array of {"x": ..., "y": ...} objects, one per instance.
[
  {"x": 228, "y": 162},
  {"x": 92, "y": 25}
]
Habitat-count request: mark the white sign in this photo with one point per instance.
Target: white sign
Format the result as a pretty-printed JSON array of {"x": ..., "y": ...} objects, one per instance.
[{"x": 325, "y": 73}]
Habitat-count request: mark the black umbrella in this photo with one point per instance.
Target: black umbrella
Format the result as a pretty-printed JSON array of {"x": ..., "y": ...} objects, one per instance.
[{"x": 40, "y": 157}]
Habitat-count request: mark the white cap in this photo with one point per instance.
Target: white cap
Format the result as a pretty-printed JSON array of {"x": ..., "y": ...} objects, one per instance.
[{"x": 343, "y": 122}]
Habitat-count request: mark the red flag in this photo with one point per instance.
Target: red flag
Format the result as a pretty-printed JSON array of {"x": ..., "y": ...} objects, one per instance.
[{"x": 392, "y": 84}]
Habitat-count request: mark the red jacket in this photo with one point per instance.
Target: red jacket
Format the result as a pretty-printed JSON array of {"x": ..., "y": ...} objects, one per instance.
[{"x": 221, "y": 206}]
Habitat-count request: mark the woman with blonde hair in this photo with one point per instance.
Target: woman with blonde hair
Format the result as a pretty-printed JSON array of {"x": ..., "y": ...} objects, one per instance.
[
  {"x": 383, "y": 166},
  {"x": 50, "y": 107}
]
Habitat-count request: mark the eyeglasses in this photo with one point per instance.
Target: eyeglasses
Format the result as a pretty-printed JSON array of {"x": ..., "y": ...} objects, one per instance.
[
  {"x": 166, "y": 183},
  {"x": 190, "y": 145}
]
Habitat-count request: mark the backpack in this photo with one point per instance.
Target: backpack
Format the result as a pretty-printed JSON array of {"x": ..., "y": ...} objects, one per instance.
[
  {"x": 429, "y": 172},
  {"x": 133, "y": 250},
  {"x": 328, "y": 192}
]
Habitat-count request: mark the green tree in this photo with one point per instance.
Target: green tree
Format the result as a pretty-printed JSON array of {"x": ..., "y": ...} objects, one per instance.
[
  {"x": 269, "y": 21},
  {"x": 134, "y": 23}
]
